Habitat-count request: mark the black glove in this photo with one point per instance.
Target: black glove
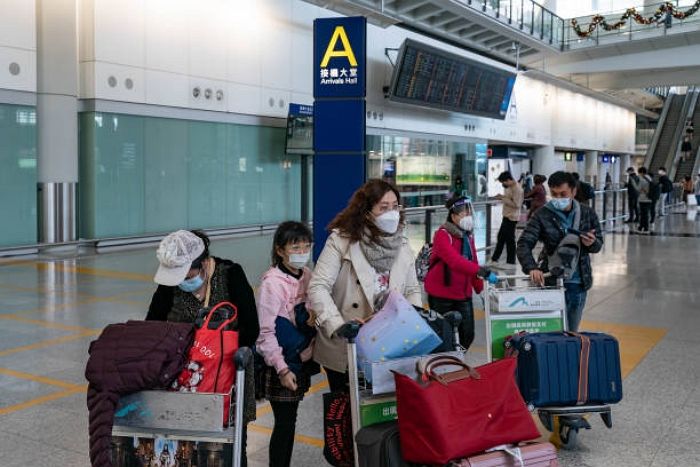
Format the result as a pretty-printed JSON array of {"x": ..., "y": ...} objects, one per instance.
[
  {"x": 349, "y": 330},
  {"x": 483, "y": 272}
]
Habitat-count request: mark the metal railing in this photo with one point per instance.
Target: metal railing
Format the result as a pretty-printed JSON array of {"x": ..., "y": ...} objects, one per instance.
[
  {"x": 611, "y": 206},
  {"x": 528, "y": 16},
  {"x": 631, "y": 29},
  {"x": 430, "y": 218}
]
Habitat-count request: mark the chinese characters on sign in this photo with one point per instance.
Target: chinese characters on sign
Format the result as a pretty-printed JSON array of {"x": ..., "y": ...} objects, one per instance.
[{"x": 339, "y": 57}]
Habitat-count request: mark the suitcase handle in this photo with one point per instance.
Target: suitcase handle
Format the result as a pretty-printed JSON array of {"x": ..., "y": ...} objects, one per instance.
[{"x": 426, "y": 370}]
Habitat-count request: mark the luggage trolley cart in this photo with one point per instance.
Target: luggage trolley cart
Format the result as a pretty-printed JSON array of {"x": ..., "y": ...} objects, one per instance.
[
  {"x": 376, "y": 403},
  {"x": 514, "y": 305},
  {"x": 186, "y": 416}
]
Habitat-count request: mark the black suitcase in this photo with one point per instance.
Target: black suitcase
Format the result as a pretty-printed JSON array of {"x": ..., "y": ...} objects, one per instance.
[{"x": 378, "y": 446}]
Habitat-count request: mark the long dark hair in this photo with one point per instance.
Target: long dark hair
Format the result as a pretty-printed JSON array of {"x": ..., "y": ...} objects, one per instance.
[
  {"x": 288, "y": 232},
  {"x": 356, "y": 217}
]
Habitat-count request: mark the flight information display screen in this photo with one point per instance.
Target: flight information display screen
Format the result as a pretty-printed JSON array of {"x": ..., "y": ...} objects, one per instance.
[{"x": 432, "y": 77}]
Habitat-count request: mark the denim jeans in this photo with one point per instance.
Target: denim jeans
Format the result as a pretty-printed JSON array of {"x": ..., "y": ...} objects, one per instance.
[{"x": 575, "y": 298}]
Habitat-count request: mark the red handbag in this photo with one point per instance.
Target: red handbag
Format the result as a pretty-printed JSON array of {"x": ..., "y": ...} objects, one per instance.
[
  {"x": 210, "y": 366},
  {"x": 453, "y": 415}
]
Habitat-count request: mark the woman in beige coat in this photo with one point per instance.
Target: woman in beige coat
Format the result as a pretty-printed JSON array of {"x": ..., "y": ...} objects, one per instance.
[{"x": 365, "y": 257}]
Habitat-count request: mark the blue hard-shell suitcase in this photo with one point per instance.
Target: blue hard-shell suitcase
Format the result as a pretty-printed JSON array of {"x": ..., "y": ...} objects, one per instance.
[{"x": 548, "y": 368}]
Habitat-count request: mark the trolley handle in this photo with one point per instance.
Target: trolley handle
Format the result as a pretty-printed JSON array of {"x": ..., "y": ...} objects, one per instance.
[
  {"x": 243, "y": 357},
  {"x": 349, "y": 330}
]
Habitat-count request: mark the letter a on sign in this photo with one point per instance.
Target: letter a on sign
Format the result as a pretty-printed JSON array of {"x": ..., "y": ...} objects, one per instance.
[{"x": 339, "y": 33}]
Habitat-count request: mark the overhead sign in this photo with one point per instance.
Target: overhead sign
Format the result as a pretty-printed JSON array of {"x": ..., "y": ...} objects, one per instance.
[{"x": 340, "y": 57}]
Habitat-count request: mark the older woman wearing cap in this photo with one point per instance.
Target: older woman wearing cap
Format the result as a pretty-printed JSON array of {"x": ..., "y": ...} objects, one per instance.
[
  {"x": 189, "y": 279},
  {"x": 454, "y": 268}
]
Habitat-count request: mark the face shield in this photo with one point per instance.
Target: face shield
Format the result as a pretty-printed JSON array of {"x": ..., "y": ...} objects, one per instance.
[{"x": 463, "y": 204}]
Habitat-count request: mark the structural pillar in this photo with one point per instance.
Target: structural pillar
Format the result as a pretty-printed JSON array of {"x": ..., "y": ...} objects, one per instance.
[
  {"x": 591, "y": 174},
  {"x": 340, "y": 56},
  {"x": 616, "y": 170},
  {"x": 57, "y": 119},
  {"x": 625, "y": 163},
  {"x": 545, "y": 162}
]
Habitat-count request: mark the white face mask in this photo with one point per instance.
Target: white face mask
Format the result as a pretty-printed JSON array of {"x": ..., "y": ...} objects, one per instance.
[
  {"x": 388, "y": 222},
  {"x": 466, "y": 223},
  {"x": 299, "y": 260}
]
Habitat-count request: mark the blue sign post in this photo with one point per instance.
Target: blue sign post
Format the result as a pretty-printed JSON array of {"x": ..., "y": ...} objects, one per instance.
[{"x": 340, "y": 76}]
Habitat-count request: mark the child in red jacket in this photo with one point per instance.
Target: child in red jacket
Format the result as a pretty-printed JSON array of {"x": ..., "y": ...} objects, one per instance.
[{"x": 454, "y": 268}]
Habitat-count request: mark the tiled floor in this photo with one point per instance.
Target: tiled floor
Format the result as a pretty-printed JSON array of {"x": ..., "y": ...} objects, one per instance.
[{"x": 646, "y": 293}]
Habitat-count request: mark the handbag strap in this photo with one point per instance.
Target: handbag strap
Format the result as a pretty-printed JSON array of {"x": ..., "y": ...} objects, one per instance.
[
  {"x": 211, "y": 266},
  {"x": 426, "y": 369},
  {"x": 584, "y": 359},
  {"x": 205, "y": 324}
]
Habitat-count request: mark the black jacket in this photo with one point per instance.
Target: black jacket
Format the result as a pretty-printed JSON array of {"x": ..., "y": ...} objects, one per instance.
[
  {"x": 241, "y": 295},
  {"x": 633, "y": 186},
  {"x": 666, "y": 184},
  {"x": 126, "y": 358},
  {"x": 544, "y": 226}
]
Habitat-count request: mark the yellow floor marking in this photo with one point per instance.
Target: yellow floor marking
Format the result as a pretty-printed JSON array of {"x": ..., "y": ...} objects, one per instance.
[
  {"x": 49, "y": 342},
  {"x": 40, "y": 400},
  {"x": 16, "y": 262},
  {"x": 96, "y": 272},
  {"x": 266, "y": 408},
  {"x": 479, "y": 314},
  {"x": 304, "y": 439},
  {"x": 44, "y": 290},
  {"x": 635, "y": 341},
  {"x": 40, "y": 379},
  {"x": 46, "y": 324}
]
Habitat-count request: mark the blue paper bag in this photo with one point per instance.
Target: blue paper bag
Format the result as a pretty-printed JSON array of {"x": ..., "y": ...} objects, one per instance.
[{"x": 397, "y": 330}]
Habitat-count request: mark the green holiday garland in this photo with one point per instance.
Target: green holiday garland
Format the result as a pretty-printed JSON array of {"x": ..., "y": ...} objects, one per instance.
[{"x": 599, "y": 20}]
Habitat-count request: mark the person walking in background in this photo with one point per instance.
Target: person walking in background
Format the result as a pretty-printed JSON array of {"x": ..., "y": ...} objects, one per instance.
[
  {"x": 365, "y": 256},
  {"x": 512, "y": 200},
  {"x": 645, "y": 199},
  {"x": 697, "y": 189},
  {"x": 286, "y": 339},
  {"x": 550, "y": 225},
  {"x": 666, "y": 186},
  {"x": 688, "y": 188},
  {"x": 686, "y": 148},
  {"x": 608, "y": 182},
  {"x": 632, "y": 186},
  {"x": 585, "y": 193},
  {"x": 454, "y": 272},
  {"x": 537, "y": 196}
]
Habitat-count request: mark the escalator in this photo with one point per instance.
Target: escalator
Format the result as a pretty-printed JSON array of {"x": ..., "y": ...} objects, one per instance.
[
  {"x": 667, "y": 141},
  {"x": 685, "y": 167}
]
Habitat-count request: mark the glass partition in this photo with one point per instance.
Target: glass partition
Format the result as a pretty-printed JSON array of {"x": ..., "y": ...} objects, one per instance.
[
  {"x": 143, "y": 175},
  {"x": 18, "y": 176},
  {"x": 427, "y": 170}
]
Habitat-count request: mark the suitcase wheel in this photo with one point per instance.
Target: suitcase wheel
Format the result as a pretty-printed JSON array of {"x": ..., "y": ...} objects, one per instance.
[
  {"x": 546, "y": 420},
  {"x": 568, "y": 436},
  {"x": 527, "y": 347}
]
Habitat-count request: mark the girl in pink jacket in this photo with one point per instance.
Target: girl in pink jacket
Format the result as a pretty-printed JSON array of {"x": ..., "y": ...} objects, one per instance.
[{"x": 281, "y": 295}]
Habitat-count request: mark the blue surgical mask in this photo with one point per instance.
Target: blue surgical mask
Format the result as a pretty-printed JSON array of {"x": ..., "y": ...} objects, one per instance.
[
  {"x": 191, "y": 285},
  {"x": 560, "y": 203}
]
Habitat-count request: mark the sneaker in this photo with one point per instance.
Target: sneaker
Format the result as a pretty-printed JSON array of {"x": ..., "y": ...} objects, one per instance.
[{"x": 493, "y": 264}]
